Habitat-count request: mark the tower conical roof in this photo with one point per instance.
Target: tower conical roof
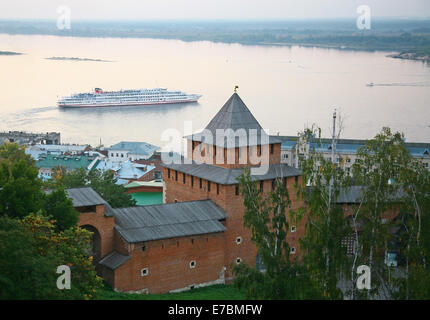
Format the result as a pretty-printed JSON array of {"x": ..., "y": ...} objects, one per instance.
[
  {"x": 233, "y": 115},
  {"x": 236, "y": 116}
]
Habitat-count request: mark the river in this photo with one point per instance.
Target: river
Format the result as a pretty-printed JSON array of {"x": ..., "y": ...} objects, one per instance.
[{"x": 286, "y": 88}]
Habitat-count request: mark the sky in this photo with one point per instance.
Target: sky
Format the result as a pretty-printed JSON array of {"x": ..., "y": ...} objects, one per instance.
[{"x": 210, "y": 9}]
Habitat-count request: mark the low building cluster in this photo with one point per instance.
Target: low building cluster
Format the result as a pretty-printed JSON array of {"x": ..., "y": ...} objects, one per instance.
[{"x": 292, "y": 148}]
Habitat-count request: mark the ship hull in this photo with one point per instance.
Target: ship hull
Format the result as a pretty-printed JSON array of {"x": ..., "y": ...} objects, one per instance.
[{"x": 113, "y": 104}]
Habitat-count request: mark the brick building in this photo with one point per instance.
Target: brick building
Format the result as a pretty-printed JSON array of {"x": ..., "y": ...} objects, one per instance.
[
  {"x": 197, "y": 236},
  {"x": 211, "y": 176}
]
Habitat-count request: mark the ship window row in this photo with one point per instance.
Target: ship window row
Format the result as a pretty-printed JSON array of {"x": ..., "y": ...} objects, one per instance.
[{"x": 126, "y": 96}]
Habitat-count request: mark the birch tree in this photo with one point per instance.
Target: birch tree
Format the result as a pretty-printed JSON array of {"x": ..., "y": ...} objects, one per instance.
[
  {"x": 267, "y": 216},
  {"x": 325, "y": 258}
]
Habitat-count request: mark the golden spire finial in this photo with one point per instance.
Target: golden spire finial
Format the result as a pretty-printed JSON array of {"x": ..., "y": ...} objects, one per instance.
[{"x": 235, "y": 89}]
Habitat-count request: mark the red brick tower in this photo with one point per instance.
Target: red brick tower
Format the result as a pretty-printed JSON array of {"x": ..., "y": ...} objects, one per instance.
[{"x": 232, "y": 140}]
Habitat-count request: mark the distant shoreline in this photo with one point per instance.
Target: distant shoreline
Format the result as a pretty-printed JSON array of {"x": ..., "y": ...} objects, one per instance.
[
  {"x": 408, "y": 39},
  {"x": 410, "y": 56},
  {"x": 10, "y": 53},
  {"x": 76, "y": 59}
]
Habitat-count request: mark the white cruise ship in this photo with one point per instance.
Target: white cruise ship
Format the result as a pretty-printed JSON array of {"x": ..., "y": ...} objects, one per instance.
[{"x": 136, "y": 97}]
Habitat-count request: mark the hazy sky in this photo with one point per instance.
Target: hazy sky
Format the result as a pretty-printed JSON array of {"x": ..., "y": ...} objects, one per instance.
[{"x": 211, "y": 9}]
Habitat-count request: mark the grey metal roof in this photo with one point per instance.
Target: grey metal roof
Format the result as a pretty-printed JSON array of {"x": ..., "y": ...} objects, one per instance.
[
  {"x": 354, "y": 194},
  {"x": 236, "y": 116},
  {"x": 113, "y": 260},
  {"x": 227, "y": 176},
  {"x": 233, "y": 115},
  {"x": 350, "y": 195},
  {"x": 170, "y": 220},
  {"x": 86, "y": 196},
  {"x": 143, "y": 148}
]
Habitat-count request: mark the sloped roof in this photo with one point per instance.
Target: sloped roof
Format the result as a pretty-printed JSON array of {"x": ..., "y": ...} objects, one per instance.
[
  {"x": 86, "y": 196},
  {"x": 233, "y": 115},
  {"x": 245, "y": 129},
  {"x": 69, "y": 162},
  {"x": 114, "y": 260},
  {"x": 143, "y": 148},
  {"x": 124, "y": 169},
  {"x": 228, "y": 176},
  {"x": 354, "y": 194},
  {"x": 170, "y": 220}
]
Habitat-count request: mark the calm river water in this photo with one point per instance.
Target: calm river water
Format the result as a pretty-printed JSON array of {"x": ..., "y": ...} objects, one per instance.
[{"x": 285, "y": 88}]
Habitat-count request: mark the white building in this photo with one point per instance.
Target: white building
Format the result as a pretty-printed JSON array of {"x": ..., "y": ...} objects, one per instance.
[
  {"x": 346, "y": 149},
  {"x": 131, "y": 151}
]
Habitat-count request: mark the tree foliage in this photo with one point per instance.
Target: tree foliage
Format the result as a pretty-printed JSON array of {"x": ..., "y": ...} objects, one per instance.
[
  {"x": 31, "y": 251},
  {"x": 326, "y": 226},
  {"x": 20, "y": 188},
  {"x": 103, "y": 182},
  {"x": 60, "y": 208},
  {"x": 267, "y": 217}
]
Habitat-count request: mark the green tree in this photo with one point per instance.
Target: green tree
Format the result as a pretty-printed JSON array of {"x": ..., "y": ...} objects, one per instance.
[
  {"x": 103, "y": 182},
  {"x": 31, "y": 251},
  {"x": 60, "y": 208},
  {"x": 414, "y": 236},
  {"x": 12, "y": 152},
  {"x": 324, "y": 257},
  {"x": 266, "y": 216},
  {"x": 20, "y": 189},
  {"x": 378, "y": 171}
]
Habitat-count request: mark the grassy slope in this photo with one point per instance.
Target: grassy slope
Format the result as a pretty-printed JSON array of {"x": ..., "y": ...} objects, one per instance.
[{"x": 216, "y": 292}]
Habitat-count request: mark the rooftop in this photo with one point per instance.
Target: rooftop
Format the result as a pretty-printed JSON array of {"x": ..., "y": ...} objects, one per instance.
[
  {"x": 86, "y": 196},
  {"x": 142, "y": 148},
  {"x": 236, "y": 116},
  {"x": 114, "y": 260},
  {"x": 124, "y": 170},
  {"x": 68, "y": 162},
  {"x": 152, "y": 183},
  {"x": 227, "y": 176},
  {"x": 170, "y": 220},
  {"x": 354, "y": 194}
]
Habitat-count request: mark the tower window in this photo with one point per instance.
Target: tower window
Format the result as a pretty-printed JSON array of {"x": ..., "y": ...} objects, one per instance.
[
  {"x": 237, "y": 189},
  {"x": 192, "y": 264},
  {"x": 293, "y": 250},
  {"x": 261, "y": 185},
  {"x": 293, "y": 228},
  {"x": 217, "y": 188},
  {"x": 144, "y": 272},
  {"x": 192, "y": 181},
  {"x": 183, "y": 178},
  {"x": 201, "y": 183},
  {"x": 238, "y": 240},
  {"x": 168, "y": 173},
  {"x": 238, "y": 260},
  {"x": 209, "y": 186},
  {"x": 271, "y": 148},
  {"x": 176, "y": 175}
]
